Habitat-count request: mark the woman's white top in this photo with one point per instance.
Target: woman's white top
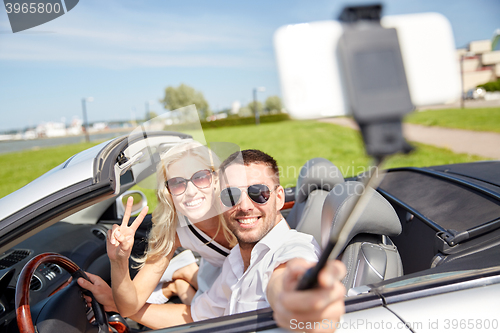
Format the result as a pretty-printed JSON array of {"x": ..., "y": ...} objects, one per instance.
[
  {"x": 212, "y": 254},
  {"x": 196, "y": 240}
]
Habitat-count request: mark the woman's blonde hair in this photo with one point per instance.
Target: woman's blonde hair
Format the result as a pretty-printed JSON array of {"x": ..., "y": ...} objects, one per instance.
[{"x": 162, "y": 235}]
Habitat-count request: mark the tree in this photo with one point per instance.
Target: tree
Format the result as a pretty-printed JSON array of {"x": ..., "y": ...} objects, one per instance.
[
  {"x": 273, "y": 104},
  {"x": 245, "y": 112},
  {"x": 184, "y": 95},
  {"x": 491, "y": 86},
  {"x": 150, "y": 115},
  {"x": 260, "y": 108}
]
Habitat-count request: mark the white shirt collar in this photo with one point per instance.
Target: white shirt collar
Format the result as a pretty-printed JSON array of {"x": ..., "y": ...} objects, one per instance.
[{"x": 272, "y": 240}]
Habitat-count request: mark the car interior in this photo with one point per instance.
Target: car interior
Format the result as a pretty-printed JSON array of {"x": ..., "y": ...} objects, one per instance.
[{"x": 323, "y": 200}]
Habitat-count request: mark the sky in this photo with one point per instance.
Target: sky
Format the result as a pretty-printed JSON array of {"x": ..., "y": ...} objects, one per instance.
[{"x": 124, "y": 53}]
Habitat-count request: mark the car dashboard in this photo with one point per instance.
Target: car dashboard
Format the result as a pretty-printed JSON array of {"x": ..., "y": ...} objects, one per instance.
[{"x": 84, "y": 244}]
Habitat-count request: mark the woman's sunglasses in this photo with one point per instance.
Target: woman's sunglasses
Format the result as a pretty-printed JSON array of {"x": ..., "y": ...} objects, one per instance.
[
  {"x": 258, "y": 193},
  {"x": 178, "y": 185}
]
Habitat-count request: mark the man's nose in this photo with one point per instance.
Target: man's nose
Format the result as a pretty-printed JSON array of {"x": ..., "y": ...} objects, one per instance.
[{"x": 246, "y": 203}]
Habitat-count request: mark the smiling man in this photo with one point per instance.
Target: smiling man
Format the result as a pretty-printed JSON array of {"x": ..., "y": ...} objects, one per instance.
[
  {"x": 259, "y": 272},
  {"x": 251, "y": 191}
]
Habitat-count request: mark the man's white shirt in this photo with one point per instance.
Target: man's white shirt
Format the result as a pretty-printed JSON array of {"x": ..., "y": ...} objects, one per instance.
[{"x": 235, "y": 290}]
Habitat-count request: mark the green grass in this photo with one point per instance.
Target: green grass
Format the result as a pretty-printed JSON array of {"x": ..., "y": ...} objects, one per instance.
[
  {"x": 19, "y": 168},
  {"x": 291, "y": 143},
  {"x": 485, "y": 119}
]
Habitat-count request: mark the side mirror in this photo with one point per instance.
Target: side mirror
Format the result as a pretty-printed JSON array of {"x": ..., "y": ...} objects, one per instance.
[{"x": 140, "y": 201}]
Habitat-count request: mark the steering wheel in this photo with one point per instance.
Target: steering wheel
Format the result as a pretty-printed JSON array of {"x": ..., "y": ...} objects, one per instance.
[{"x": 23, "y": 312}]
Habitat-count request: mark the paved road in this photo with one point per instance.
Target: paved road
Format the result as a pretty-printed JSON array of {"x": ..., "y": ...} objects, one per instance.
[
  {"x": 479, "y": 103},
  {"x": 486, "y": 144}
]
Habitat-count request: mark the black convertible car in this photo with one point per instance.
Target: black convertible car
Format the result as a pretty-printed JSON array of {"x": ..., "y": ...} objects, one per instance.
[{"x": 425, "y": 254}]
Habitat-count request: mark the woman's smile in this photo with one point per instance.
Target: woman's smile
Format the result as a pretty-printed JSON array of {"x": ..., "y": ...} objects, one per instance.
[{"x": 195, "y": 203}]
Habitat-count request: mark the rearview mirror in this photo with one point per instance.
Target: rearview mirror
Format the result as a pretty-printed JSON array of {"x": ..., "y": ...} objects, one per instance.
[{"x": 140, "y": 201}]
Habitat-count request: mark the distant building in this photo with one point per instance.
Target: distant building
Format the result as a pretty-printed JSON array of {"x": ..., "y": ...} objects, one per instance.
[
  {"x": 6, "y": 137},
  {"x": 50, "y": 130},
  {"x": 76, "y": 127},
  {"x": 216, "y": 116},
  {"x": 98, "y": 127},
  {"x": 479, "y": 64},
  {"x": 235, "y": 107},
  {"x": 29, "y": 135}
]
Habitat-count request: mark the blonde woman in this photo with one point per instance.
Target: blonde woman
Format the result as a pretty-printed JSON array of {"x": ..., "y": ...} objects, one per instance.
[{"x": 187, "y": 216}]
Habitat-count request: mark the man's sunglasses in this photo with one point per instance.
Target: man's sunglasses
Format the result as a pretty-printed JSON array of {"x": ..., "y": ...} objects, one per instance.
[
  {"x": 258, "y": 193},
  {"x": 178, "y": 185}
]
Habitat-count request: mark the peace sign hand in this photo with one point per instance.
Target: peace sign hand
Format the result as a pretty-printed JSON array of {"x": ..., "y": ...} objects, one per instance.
[{"x": 120, "y": 238}]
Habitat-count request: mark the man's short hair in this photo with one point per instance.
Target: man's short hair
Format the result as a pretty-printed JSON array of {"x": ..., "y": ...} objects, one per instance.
[{"x": 252, "y": 156}]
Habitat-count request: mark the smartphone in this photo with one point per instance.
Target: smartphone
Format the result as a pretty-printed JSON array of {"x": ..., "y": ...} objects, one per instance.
[{"x": 310, "y": 67}]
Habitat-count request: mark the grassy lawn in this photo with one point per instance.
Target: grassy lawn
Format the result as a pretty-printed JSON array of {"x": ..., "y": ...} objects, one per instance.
[
  {"x": 292, "y": 143},
  {"x": 485, "y": 119},
  {"x": 19, "y": 168}
]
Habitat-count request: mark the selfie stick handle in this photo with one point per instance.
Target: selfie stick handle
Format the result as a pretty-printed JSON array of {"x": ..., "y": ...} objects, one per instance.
[
  {"x": 379, "y": 115},
  {"x": 310, "y": 278}
]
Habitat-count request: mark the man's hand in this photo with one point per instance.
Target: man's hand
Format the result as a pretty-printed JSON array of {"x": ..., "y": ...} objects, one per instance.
[
  {"x": 101, "y": 291},
  {"x": 120, "y": 238},
  {"x": 324, "y": 302}
]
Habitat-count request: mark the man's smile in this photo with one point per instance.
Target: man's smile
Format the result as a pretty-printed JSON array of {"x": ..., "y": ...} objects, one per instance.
[{"x": 247, "y": 221}]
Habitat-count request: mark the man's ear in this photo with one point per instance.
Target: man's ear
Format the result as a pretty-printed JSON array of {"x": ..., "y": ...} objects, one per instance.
[{"x": 280, "y": 197}]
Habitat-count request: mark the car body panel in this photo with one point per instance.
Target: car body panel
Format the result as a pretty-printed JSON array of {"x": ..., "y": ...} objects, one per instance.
[
  {"x": 377, "y": 319},
  {"x": 49, "y": 184},
  {"x": 446, "y": 311}
]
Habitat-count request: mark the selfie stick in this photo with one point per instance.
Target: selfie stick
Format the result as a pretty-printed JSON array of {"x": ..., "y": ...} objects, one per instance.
[{"x": 375, "y": 82}]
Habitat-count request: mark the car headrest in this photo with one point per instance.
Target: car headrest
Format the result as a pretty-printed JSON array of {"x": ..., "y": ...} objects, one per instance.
[
  {"x": 317, "y": 173},
  {"x": 378, "y": 217}
]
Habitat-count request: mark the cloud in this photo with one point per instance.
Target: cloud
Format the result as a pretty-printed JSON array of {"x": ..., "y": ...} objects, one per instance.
[{"x": 118, "y": 37}]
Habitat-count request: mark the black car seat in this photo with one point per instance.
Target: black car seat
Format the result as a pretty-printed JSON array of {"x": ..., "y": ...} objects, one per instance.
[
  {"x": 368, "y": 253},
  {"x": 316, "y": 178}
]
